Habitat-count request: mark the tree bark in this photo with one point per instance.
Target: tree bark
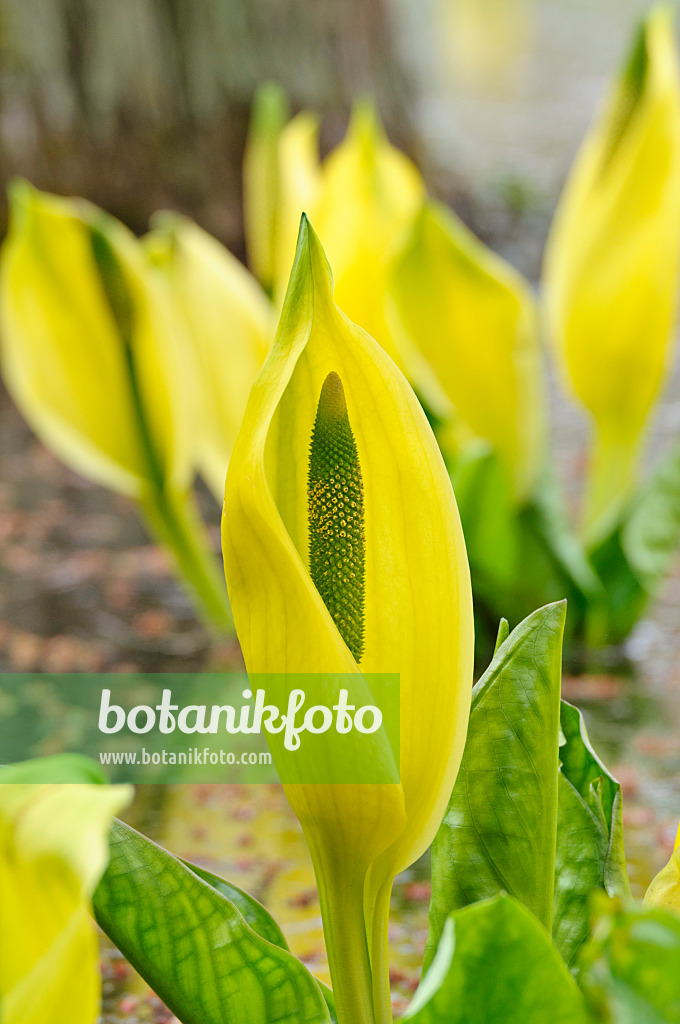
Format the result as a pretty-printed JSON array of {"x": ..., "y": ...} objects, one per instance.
[{"x": 144, "y": 104}]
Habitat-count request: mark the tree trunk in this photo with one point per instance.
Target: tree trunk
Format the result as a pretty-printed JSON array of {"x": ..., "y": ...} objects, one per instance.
[{"x": 144, "y": 104}]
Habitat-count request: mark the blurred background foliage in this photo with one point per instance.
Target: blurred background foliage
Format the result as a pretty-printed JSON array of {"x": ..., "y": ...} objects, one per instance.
[{"x": 142, "y": 104}]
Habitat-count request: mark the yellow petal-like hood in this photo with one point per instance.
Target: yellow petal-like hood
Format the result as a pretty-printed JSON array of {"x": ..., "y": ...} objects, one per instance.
[
  {"x": 281, "y": 175},
  {"x": 416, "y": 608},
  {"x": 467, "y": 325},
  {"x": 88, "y": 347},
  {"x": 611, "y": 268},
  {"x": 53, "y": 849},
  {"x": 664, "y": 891},
  {"x": 229, "y": 327},
  {"x": 369, "y": 195},
  {"x": 299, "y": 183}
]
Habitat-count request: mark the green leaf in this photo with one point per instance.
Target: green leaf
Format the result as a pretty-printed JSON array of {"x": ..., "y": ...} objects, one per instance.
[
  {"x": 494, "y": 963},
  {"x": 632, "y": 965},
  {"x": 611, "y": 620},
  {"x": 193, "y": 946},
  {"x": 600, "y": 791},
  {"x": 634, "y": 558},
  {"x": 590, "y": 851},
  {"x": 487, "y": 513},
  {"x": 59, "y": 768},
  {"x": 552, "y": 526},
  {"x": 498, "y": 833},
  {"x": 519, "y": 558},
  {"x": 503, "y": 633},
  {"x": 651, "y": 533},
  {"x": 259, "y": 919}
]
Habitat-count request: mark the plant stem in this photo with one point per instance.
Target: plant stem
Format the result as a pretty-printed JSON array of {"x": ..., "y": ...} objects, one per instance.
[
  {"x": 380, "y": 968},
  {"x": 611, "y": 476},
  {"x": 344, "y": 930},
  {"x": 174, "y": 520}
]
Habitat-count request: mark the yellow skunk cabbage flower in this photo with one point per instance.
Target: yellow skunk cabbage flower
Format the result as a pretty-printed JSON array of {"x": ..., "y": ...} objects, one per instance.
[
  {"x": 53, "y": 850},
  {"x": 91, "y": 356},
  {"x": 87, "y": 343},
  {"x": 468, "y": 321},
  {"x": 281, "y": 176},
  {"x": 370, "y": 194},
  {"x": 664, "y": 891},
  {"x": 329, "y": 397},
  {"x": 611, "y": 272},
  {"x": 229, "y": 327},
  {"x": 363, "y": 199}
]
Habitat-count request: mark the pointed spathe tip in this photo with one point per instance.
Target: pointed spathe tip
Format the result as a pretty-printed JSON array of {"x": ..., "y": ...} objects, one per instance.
[{"x": 310, "y": 258}]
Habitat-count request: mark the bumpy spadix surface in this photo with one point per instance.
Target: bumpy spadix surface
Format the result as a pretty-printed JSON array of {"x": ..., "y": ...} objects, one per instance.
[
  {"x": 328, "y": 396},
  {"x": 336, "y": 516}
]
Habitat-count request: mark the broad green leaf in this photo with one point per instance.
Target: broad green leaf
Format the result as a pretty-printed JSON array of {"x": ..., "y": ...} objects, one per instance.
[
  {"x": 553, "y": 526},
  {"x": 631, "y": 968},
  {"x": 495, "y": 962},
  {"x": 498, "y": 833},
  {"x": 651, "y": 531},
  {"x": 590, "y": 852},
  {"x": 52, "y": 852},
  {"x": 60, "y": 768},
  {"x": 519, "y": 559},
  {"x": 259, "y": 919},
  {"x": 600, "y": 790},
  {"x": 192, "y": 944}
]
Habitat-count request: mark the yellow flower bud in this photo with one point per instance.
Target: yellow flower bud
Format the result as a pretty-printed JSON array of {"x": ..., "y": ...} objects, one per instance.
[
  {"x": 53, "y": 850},
  {"x": 611, "y": 272}
]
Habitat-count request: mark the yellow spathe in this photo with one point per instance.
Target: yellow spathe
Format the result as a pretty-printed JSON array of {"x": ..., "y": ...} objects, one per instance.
[
  {"x": 611, "y": 269},
  {"x": 467, "y": 329},
  {"x": 53, "y": 850},
  {"x": 100, "y": 387},
  {"x": 228, "y": 326},
  {"x": 416, "y": 600},
  {"x": 370, "y": 194}
]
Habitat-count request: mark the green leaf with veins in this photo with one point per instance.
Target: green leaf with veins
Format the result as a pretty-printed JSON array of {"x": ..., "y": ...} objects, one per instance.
[
  {"x": 193, "y": 946},
  {"x": 498, "y": 833},
  {"x": 259, "y": 919}
]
